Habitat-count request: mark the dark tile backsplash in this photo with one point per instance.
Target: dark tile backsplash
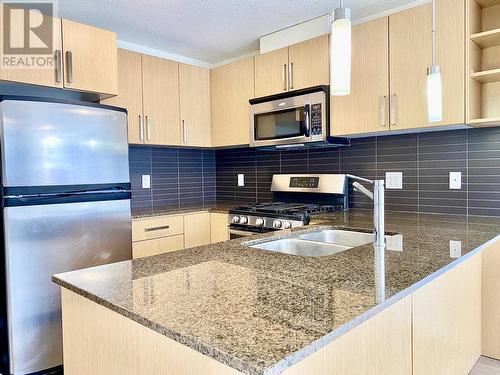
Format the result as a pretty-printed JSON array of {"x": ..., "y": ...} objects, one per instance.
[
  {"x": 180, "y": 178},
  {"x": 425, "y": 160}
]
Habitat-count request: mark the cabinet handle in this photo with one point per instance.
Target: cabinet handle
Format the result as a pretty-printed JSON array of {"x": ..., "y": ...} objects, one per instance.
[
  {"x": 152, "y": 229},
  {"x": 69, "y": 65},
  {"x": 141, "y": 128},
  {"x": 148, "y": 129},
  {"x": 184, "y": 132},
  {"x": 58, "y": 63},
  {"x": 392, "y": 106},
  {"x": 284, "y": 77},
  {"x": 290, "y": 76},
  {"x": 382, "y": 110}
]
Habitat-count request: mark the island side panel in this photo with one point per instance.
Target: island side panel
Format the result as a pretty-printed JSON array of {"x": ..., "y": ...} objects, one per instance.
[
  {"x": 379, "y": 346},
  {"x": 491, "y": 300},
  {"x": 447, "y": 321},
  {"x": 99, "y": 341}
]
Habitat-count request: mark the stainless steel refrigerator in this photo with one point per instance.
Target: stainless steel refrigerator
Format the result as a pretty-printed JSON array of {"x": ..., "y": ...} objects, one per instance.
[{"x": 66, "y": 206}]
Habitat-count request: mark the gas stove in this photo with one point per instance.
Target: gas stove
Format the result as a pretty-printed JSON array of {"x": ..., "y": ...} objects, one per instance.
[
  {"x": 297, "y": 198},
  {"x": 278, "y": 215}
]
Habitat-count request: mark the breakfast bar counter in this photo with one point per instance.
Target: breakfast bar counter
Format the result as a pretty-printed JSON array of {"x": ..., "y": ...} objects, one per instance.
[{"x": 228, "y": 308}]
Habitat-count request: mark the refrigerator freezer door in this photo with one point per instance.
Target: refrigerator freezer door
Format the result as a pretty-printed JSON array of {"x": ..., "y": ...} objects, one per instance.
[
  {"x": 50, "y": 143},
  {"x": 41, "y": 241}
]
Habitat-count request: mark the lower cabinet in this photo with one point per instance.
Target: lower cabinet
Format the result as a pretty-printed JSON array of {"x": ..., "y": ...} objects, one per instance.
[
  {"x": 447, "y": 321},
  {"x": 218, "y": 227},
  {"x": 490, "y": 306},
  {"x": 162, "y": 234},
  {"x": 196, "y": 229},
  {"x": 157, "y": 246}
]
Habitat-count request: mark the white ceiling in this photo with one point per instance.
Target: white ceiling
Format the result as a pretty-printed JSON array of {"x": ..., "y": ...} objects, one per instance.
[{"x": 207, "y": 30}]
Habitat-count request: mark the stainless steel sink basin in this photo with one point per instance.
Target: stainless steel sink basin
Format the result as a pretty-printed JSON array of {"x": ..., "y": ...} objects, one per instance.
[
  {"x": 297, "y": 246},
  {"x": 339, "y": 237}
]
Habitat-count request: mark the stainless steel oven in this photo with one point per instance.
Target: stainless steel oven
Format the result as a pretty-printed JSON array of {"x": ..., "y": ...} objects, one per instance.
[{"x": 293, "y": 118}]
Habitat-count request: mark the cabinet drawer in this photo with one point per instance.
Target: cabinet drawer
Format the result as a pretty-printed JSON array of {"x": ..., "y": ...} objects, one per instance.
[
  {"x": 156, "y": 227},
  {"x": 157, "y": 246}
]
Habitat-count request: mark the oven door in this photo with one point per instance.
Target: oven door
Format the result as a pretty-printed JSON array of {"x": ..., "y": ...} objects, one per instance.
[
  {"x": 236, "y": 231},
  {"x": 287, "y": 121}
]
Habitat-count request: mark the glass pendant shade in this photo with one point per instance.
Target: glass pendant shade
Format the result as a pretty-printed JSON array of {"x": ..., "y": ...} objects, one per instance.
[
  {"x": 340, "y": 59},
  {"x": 434, "y": 95}
]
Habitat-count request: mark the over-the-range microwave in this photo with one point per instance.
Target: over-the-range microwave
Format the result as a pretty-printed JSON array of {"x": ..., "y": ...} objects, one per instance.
[{"x": 293, "y": 119}]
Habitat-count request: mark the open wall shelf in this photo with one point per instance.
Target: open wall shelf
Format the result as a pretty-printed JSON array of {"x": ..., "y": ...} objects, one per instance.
[
  {"x": 483, "y": 62},
  {"x": 487, "y": 39}
]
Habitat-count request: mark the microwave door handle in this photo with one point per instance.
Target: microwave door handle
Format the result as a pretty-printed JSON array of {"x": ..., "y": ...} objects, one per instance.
[{"x": 307, "y": 120}]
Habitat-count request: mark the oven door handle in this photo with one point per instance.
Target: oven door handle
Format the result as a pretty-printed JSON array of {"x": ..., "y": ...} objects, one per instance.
[{"x": 241, "y": 232}]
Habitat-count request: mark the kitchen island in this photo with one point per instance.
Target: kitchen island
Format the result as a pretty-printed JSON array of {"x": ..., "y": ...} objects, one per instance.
[{"x": 228, "y": 308}]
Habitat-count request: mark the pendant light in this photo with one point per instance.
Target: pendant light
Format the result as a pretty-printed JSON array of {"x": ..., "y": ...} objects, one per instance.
[
  {"x": 340, "y": 51},
  {"x": 434, "y": 84}
]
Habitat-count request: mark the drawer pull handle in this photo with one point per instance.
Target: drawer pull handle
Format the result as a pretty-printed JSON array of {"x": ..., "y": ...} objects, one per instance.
[{"x": 152, "y": 229}]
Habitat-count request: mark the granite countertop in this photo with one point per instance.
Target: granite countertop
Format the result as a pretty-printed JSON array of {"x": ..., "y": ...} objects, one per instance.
[
  {"x": 259, "y": 311},
  {"x": 180, "y": 211}
]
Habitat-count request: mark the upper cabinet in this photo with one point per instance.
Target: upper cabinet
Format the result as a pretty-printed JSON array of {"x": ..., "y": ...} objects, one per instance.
[
  {"x": 51, "y": 77},
  {"x": 194, "y": 90},
  {"x": 90, "y": 58},
  {"x": 483, "y": 62},
  {"x": 231, "y": 87},
  {"x": 160, "y": 87},
  {"x": 84, "y": 60},
  {"x": 390, "y": 58},
  {"x": 299, "y": 66},
  {"x": 130, "y": 93},
  {"x": 168, "y": 103},
  {"x": 369, "y": 83},
  {"x": 410, "y": 46}
]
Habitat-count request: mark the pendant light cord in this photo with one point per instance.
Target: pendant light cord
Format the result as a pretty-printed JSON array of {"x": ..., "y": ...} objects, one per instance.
[{"x": 433, "y": 32}]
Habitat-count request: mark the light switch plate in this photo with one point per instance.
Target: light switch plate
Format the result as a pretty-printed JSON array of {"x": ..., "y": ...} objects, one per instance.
[
  {"x": 241, "y": 179},
  {"x": 455, "y": 249},
  {"x": 394, "y": 180},
  {"x": 394, "y": 243},
  {"x": 456, "y": 180},
  {"x": 146, "y": 181}
]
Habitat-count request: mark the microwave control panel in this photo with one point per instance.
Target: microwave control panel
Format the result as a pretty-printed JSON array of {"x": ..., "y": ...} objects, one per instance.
[{"x": 316, "y": 120}]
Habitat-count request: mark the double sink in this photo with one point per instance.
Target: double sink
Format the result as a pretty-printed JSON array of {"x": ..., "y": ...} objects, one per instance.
[{"x": 317, "y": 244}]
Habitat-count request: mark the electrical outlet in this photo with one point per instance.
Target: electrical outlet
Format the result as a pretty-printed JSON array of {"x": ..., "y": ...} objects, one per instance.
[
  {"x": 394, "y": 243},
  {"x": 241, "y": 179},
  {"x": 455, "y": 249},
  {"x": 394, "y": 180},
  {"x": 456, "y": 180},
  {"x": 146, "y": 181}
]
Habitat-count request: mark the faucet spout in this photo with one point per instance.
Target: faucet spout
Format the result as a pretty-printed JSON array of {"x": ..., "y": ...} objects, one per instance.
[{"x": 378, "y": 198}]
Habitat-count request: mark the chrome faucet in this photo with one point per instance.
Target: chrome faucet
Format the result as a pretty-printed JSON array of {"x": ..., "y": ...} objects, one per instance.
[{"x": 378, "y": 208}]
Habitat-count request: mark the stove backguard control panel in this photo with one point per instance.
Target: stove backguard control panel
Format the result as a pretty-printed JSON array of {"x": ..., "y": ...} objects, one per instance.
[{"x": 304, "y": 182}]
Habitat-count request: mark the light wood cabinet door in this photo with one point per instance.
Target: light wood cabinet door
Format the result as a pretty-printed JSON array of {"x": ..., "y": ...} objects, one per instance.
[
  {"x": 309, "y": 63},
  {"x": 379, "y": 346},
  {"x": 52, "y": 75},
  {"x": 271, "y": 72},
  {"x": 231, "y": 87},
  {"x": 157, "y": 246},
  {"x": 366, "y": 109},
  {"x": 194, "y": 91},
  {"x": 156, "y": 227},
  {"x": 447, "y": 321},
  {"x": 410, "y": 55},
  {"x": 491, "y": 301},
  {"x": 93, "y": 64},
  {"x": 196, "y": 229},
  {"x": 218, "y": 227},
  {"x": 130, "y": 93},
  {"x": 160, "y": 90}
]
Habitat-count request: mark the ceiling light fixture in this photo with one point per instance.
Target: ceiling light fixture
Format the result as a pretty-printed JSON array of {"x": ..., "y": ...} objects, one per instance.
[
  {"x": 340, "y": 51},
  {"x": 434, "y": 84}
]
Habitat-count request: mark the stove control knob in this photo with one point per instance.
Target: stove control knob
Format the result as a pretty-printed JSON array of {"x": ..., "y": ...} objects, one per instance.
[
  {"x": 277, "y": 224},
  {"x": 259, "y": 222},
  {"x": 235, "y": 219},
  {"x": 243, "y": 220},
  {"x": 287, "y": 225}
]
